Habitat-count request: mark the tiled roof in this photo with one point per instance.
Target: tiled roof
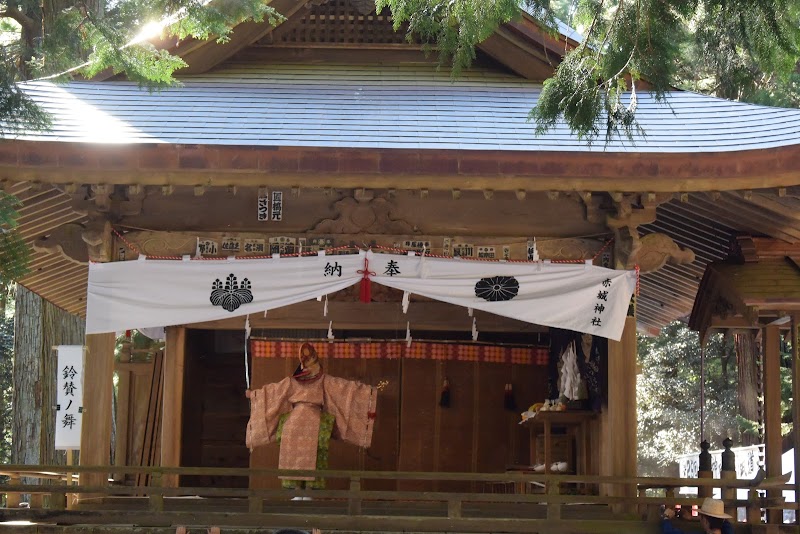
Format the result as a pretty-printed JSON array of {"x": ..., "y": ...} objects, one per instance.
[{"x": 370, "y": 106}]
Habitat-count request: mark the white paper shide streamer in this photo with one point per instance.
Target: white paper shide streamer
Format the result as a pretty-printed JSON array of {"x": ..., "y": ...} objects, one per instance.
[{"x": 247, "y": 331}]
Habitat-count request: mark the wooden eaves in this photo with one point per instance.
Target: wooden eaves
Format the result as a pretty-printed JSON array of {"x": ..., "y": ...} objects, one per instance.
[
  {"x": 170, "y": 164},
  {"x": 762, "y": 289}
]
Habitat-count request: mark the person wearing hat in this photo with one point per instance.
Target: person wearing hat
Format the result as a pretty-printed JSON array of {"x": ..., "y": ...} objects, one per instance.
[{"x": 712, "y": 517}]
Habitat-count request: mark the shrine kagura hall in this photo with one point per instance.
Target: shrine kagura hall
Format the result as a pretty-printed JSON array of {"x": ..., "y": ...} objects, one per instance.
[{"x": 332, "y": 131}]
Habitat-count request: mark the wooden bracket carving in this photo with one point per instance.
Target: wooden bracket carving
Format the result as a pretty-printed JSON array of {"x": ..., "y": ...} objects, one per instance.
[
  {"x": 655, "y": 250},
  {"x": 116, "y": 201},
  {"x": 66, "y": 240},
  {"x": 595, "y": 212},
  {"x": 650, "y": 252},
  {"x": 370, "y": 215},
  {"x": 79, "y": 243},
  {"x": 97, "y": 236}
]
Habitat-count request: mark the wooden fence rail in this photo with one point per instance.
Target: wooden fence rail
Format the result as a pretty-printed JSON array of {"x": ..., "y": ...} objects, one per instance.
[{"x": 555, "y": 505}]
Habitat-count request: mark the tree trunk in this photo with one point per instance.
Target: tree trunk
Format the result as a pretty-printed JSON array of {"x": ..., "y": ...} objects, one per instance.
[
  {"x": 52, "y": 10},
  {"x": 30, "y": 21},
  {"x": 746, "y": 363},
  {"x": 39, "y": 326},
  {"x": 27, "y": 403}
]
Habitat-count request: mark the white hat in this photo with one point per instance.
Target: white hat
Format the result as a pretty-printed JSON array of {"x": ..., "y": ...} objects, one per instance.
[{"x": 714, "y": 508}]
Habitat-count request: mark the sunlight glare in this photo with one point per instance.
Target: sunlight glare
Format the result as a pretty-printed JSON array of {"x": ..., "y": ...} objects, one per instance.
[{"x": 148, "y": 31}]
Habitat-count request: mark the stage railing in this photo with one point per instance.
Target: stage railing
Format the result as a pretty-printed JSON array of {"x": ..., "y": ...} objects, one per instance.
[{"x": 531, "y": 503}]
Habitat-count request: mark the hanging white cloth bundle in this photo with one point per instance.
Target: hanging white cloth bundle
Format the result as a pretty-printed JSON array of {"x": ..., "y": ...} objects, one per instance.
[
  {"x": 406, "y": 300},
  {"x": 570, "y": 375}
]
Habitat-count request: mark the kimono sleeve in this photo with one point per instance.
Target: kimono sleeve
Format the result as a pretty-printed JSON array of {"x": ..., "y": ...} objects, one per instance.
[
  {"x": 352, "y": 405},
  {"x": 267, "y": 404}
]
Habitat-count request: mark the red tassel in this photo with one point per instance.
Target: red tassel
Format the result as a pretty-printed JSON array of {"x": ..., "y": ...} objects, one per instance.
[
  {"x": 366, "y": 292},
  {"x": 366, "y": 285}
]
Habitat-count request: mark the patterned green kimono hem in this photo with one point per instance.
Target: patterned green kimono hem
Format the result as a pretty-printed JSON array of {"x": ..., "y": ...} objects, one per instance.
[{"x": 325, "y": 430}]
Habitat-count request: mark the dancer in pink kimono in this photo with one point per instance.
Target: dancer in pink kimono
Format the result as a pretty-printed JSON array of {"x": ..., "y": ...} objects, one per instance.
[{"x": 304, "y": 411}]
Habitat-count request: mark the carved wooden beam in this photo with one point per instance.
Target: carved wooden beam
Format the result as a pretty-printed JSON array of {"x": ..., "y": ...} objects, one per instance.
[
  {"x": 181, "y": 243},
  {"x": 363, "y": 214},
  {"x": 650, "y": 252}
]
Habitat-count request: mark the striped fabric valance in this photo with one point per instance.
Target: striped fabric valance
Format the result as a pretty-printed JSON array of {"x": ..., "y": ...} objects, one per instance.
[{"x": 419, "y": 350}]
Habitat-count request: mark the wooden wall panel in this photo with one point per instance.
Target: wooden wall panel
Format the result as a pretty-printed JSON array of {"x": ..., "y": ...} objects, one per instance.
[
  {"x": 490, "y": 434},
  {"x": 417, "y": 416},
  {"x": 215, "y": 411},
  {"x": 456, "y": 423},
  {"x": 412, "y": 433},
  {"x": 385, "y": 449},
  {"x": 225, "y": 404}
]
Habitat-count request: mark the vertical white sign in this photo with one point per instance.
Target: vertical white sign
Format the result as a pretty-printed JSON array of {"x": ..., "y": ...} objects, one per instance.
[
  {"x": 263, "y": 205},
  {"x": 276, "y": 207},
  {"x": 69, "y": 396},
  {"x": 533, "y": 252}
]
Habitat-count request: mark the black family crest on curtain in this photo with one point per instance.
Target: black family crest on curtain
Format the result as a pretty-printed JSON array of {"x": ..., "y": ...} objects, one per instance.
[
  {"x": 592, "y": 362},
  {"x": 497, "y": 288},
  {"x": 232, "y": 294}
]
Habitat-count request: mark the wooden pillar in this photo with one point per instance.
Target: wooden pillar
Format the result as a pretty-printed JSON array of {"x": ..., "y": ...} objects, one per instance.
[
  {"x": 618, "y": 436},
  {"x": 772, "y": 412},
  {"x": 796, "y": 405},
  {"x": 704, "y": 470},
  {"x": 172, "y": 411},
  {"x": 122, "y": 431},
  {"x": 123, "y": 421},
  {"x": 728, "y": 472},
  {"x": 98, "y": 385}
]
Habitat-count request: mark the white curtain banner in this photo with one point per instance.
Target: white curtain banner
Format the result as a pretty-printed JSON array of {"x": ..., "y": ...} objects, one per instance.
[
  {"x": 69, "y": 396},
  {"x": 580, "y": 297},
  {"x": 152, "y": 293},
  {"x": 142, "y": 294}
]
